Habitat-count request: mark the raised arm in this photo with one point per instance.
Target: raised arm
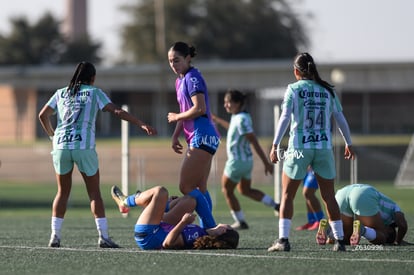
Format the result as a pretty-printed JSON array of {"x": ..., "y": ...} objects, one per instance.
[
  {"x": 174, "y": 240},
  {"x": 124, "y": 115}
]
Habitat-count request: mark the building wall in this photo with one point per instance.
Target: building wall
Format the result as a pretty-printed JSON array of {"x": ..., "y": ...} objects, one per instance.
[{"x": 18, "y": 114}]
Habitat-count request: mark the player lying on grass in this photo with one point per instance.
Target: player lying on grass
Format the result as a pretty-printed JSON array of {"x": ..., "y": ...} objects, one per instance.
[
  {"x": 366, "y": 212},
  {"x": 167, "y": 222}
]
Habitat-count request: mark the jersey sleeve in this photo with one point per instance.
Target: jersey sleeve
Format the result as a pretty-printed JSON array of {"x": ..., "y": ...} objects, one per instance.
[
  {"x": 244, "y": 124},
  {"x": 194, "y": 83},
  {"x": 102, "y": 99}
]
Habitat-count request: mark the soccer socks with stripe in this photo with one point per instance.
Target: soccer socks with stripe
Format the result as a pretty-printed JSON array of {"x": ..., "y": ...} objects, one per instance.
[{"x": 203, "y": 209}]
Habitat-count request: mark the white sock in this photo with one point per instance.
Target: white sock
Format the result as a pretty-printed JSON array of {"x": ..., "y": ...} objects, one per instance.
[
  {"x": 284, "y": 228},
  {"x": 268, "y": 201},
  {"x": 102, "y": 227},
  {"x": 56, "y": 225},
  {"x": 370, "y": 233},
  {"x": 337, "y": 229},
  {"x": 238, "y": 216}
]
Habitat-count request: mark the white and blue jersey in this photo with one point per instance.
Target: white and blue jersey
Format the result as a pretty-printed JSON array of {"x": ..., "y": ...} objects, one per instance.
[
  {"x": 238, "y": 146},
  {"x": 312, "y": 106},
  {"x": 76, "y": 116}
]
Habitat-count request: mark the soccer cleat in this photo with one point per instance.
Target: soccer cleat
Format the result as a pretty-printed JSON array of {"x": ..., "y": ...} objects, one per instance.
[
  {"x": 321, "y": 235},
  {"x": 304, "y": 227},
  {"x": 277, "y": 207},
  {"x": 314, "y": 226},
  {"x": 240, "y": 225},
  {"x": 106, "y": 243},
  {"x": 356, "y": 233},
  {"x": 119, "y": 198},
  {"x": 339, "y": 246},
  {"x": 280, "y": 245},
  {"x": 54, "y": 241}
]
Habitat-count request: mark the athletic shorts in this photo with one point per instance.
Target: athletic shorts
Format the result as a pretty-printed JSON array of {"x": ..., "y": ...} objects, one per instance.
[
  {"x": 86, "y": 160},
  {"x": 236, "y": 170},
  {"x": 296, "y": 162},
  {"x": 310, "y": 181},
  {"x": 361, "y": 200},
  {"x": 206, "y": 142},
  {"x": 149, "y": 236}
]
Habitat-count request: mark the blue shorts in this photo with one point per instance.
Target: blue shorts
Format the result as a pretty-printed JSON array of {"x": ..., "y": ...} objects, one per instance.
[
  {"x": 85, "y": 159},
  {"x": 205, "y": 141},
  {"x": 149, "y": 236},
  {"x": 236, "y": 170},
  {"x": 296, "y": 162}
]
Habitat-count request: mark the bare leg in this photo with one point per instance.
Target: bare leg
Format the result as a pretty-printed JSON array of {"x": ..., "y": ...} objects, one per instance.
[
  {"x": 64, "y": 184},
  {"x": 227, "y": 187},
  {"x": 245, "y": 188},
  {"x": 289, "y": 189},
  {"x": 154, "y": 201},
  {"x": 94, "y": 193},
  {"x": 375, "y": 222}
]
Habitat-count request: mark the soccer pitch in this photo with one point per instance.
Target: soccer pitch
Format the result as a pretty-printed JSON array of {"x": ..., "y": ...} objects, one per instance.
[{"x": 25, "y": 230}]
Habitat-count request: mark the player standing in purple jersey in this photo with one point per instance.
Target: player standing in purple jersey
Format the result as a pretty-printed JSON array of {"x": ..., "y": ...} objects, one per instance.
[{"x": 194, "y": 121}]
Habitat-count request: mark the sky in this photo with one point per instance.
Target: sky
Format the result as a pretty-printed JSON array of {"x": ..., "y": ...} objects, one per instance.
[{"x": 339, "y": 30}]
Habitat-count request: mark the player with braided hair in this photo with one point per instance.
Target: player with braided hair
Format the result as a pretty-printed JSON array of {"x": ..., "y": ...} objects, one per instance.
[
  {"x": 308, "y": 106},
  {"x": 76, "y": 107}
]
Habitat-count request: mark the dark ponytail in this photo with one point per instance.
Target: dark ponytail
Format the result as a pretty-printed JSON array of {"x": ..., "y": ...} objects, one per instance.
[
  {"x": 83, "y": 74},
  {"x": 306, "y": 66},
  {"x": 184, "y": 49}
]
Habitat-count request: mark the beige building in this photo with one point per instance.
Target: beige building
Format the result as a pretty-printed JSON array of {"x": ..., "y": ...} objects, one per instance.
[{"x": 377, "y": 98}]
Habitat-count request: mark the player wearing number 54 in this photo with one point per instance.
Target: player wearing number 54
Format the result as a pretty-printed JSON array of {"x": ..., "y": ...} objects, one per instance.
[
  {"x": 308, "y": 106},
  {"x": 76, "y": 107}
]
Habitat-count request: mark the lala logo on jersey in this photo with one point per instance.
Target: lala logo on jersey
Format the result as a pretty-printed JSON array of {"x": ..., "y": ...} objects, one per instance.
[{"x": 314, "y": 138}]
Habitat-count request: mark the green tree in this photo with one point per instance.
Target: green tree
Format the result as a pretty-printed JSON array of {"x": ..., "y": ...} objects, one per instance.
[
  {"x": 42, "y": 43},
  {"x": 230, "y": 29}
]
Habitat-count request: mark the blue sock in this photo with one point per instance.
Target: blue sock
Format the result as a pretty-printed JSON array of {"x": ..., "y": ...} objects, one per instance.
[
  {"x": 208, "y": 198},
  {"x": 203, "y": 210},
  {"x": 311, "y": 217},
  {"x": 319, "y": 215},
  {"x": 131, "y": 201},
  {"x": 210, "y": 205}
]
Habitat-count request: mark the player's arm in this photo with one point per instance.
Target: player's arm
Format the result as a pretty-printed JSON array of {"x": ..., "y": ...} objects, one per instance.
[
  {"x": 218, "y": 120},
  {"x": 199, "y": 108},
  {"x": 44, "y": 117},
  {"x": 174, "y": 238},
  {"x": 401, "y": 223},
  {"x": 251, "y": 137},
  {"x": 124, "y": 115}
]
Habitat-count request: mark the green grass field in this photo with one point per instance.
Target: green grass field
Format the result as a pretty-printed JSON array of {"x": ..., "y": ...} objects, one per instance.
[{"x": 25, "y": 230}]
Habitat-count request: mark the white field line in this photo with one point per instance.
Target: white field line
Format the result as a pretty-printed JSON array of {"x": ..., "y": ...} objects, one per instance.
[{"x": 282, "y": 255}]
